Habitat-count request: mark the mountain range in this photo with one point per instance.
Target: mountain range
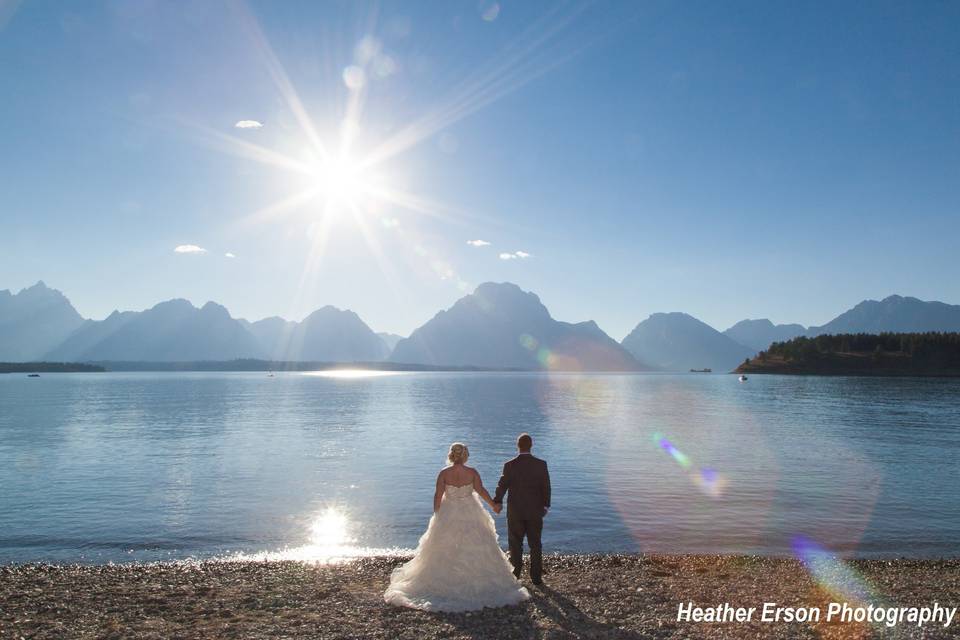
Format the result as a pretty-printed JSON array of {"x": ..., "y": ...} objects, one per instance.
[
  {"x": 175, "y": 331},
  {"x": 170, "y": 331},
  {"x": 498, "y": 326}
]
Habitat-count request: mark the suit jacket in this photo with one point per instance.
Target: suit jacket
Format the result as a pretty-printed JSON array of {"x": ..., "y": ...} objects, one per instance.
[{"x": 526, "y": 482}]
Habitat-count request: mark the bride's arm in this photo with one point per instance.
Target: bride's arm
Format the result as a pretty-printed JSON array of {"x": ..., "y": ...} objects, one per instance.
[
  {"x": 478, "y": 487},
  {"x": 438, "y": 494}
]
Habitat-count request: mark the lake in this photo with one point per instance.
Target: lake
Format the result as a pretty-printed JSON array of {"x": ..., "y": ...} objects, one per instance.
[{"x": 161, "y": 466}]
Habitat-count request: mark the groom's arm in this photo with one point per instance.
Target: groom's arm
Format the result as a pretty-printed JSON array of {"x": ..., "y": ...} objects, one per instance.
[
  {"x": 546, "y": 486},
  {"x": 502, "y": 486}
]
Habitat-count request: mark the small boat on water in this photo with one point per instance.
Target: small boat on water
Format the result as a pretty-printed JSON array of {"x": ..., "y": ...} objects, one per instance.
[
  {"x": 743, "y": 378},
  {"x": 33, "y": 375},
  {"x": 707, "y": 370}
]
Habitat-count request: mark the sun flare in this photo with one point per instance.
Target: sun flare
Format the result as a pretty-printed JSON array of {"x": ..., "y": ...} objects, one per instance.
[{"x": 352, "y": 173}]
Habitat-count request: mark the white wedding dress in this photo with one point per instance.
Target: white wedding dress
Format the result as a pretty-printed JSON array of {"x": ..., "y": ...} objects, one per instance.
[{"x": 458, "y": 565}]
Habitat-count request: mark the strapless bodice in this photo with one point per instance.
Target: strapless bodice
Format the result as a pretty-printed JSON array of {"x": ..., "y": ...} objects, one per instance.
[{"x": 458, "y": 493}]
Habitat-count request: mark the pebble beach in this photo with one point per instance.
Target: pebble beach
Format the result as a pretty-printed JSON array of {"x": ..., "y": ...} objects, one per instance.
[{"x": 584, "y": 596}]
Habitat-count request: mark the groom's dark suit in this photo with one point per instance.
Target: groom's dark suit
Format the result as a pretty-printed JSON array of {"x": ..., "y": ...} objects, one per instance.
[{"x": 526, "y": 482}]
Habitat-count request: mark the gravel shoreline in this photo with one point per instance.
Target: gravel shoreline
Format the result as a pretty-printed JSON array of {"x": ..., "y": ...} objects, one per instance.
[{"x": 585, "y": 596}]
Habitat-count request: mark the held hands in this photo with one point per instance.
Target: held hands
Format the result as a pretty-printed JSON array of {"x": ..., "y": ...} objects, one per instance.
[{"x": 497, "y": 508}]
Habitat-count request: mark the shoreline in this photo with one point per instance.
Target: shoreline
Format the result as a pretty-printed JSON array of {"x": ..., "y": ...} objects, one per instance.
[
  {"x": 843, "y": 373},
  {"x": 596, "y": 595}
]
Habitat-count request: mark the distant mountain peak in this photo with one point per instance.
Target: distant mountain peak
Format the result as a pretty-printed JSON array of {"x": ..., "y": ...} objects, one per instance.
[
  {"x": 678, "y": 315},
  {"x": 41, "y": 292},
  {"x": 174, "y": 303},
  {"x": 213, "y": 308},
  {"x": 329, "y": 309},
  {"x": 500, "y": 325},
  {"x": 330, "y": 313},
  {"x": 760, "y": 322},
  {"x": 328, "y": 334},
  {"x": 502, "y": 292},
  {"x": 677, "y": 341},
  {"x": 502, "y": 301},
  {"x": 33, "y": 321},
  {"x": 40, "y": 285},
  {"x": 760, "y": 334},
  {"x": 898, "y": 298},
  {"x": 497, "y": 287},
  {"x": 895, "y": 313},
  {"x": 40, "y": 289}
]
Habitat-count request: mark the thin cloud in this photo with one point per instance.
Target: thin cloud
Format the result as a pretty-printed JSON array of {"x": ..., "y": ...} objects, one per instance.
[
  {"x": 478, "y": 243},
  {"x": 189, "y": 248},
  {"x": 229, "y": 255},
  {"x": 248, "y": 124},
  {"x": 516, "y": 255},
  {"x": 522, "y": 254}
]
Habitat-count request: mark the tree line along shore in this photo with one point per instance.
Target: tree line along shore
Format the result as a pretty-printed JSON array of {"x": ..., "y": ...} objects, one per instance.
[
  {"x": 883, "y": 354},
  {"x": 50, "y": 367}
]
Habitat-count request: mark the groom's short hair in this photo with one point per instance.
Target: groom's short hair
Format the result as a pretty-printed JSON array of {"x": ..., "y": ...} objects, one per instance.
[{"x": 524, "y": 442}]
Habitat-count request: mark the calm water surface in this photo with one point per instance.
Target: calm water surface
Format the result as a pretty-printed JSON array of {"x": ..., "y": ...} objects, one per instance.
[{"x": 154, "y": 466}]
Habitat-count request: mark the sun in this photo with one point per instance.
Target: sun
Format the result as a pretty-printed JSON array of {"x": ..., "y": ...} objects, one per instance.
[{"x": 342, "y": 181}]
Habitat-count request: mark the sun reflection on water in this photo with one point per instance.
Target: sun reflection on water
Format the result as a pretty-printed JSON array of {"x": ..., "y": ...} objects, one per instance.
[
  {"x": 350, "y": 374},
  {"x": 330, "y": 542},
  {"x": 329, "y": 530}
]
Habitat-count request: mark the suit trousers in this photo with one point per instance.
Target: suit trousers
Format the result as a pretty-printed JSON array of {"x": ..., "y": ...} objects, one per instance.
[{"x": 520, "y": 525}]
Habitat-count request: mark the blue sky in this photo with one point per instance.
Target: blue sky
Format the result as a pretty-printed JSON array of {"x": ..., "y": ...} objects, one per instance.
[{"x": 730, "y": 160}]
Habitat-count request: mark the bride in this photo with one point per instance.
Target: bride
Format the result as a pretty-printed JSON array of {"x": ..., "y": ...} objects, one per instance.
[{"x": 458, "y": 565}]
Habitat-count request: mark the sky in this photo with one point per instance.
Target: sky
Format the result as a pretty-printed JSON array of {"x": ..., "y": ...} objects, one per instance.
[{"x": 729, "y": 160}]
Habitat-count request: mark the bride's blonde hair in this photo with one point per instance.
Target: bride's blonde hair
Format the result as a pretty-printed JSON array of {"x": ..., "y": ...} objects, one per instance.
[{"x": 458, "y": 453}]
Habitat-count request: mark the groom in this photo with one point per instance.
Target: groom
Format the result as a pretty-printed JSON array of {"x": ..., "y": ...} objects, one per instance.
[{"x": 526, "y": 482}]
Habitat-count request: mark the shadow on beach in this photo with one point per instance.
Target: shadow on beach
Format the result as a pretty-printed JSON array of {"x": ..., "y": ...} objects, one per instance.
[
  {"x": 568, "y": 616},
  {"x": 547, "y": 610}
]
